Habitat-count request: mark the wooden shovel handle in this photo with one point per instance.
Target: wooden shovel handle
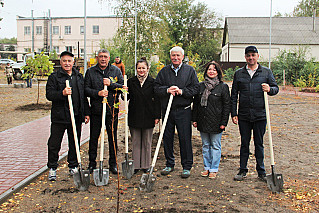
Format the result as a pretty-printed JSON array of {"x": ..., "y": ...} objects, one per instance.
[
  {"x": 168, "y": 109},
  {"x": 272, "y": 160},
  {"x": 126, "y": 116},
  {"x": 76, "y": 142},
  {"x": 103, "y": 127}
]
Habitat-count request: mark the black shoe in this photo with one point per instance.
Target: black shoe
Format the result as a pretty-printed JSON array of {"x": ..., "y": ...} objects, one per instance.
[
  {"x": 146, "y": 170},
  {"x": 240, "y": 176},
  {"x": 113, "y": 169},
  {"x": 136, "y": 171},
  {"x": 262, "y": 177},
  {"x": 91, "y": 168}
]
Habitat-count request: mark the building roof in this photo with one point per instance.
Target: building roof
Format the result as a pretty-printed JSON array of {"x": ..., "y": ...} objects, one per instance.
[
  {"x": 30, "y": 18},
  {"x": 285, "y": 30}
]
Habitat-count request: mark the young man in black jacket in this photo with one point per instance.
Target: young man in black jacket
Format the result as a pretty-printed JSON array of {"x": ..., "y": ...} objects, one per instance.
[
  {"x": 249, "y": 84},
  {"x": 95, "y": 79},
  {"x": 57, "y": 92},
  {"x": 181, "y": 81}
]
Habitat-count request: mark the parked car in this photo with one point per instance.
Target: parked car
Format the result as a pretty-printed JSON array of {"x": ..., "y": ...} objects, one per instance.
[
  {"x": 17, "y": 71},
  {"x": 6, "y": 61}
]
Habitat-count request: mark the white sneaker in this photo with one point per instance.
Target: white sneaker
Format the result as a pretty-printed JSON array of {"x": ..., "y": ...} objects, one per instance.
[{"x": 52, "y": 174}]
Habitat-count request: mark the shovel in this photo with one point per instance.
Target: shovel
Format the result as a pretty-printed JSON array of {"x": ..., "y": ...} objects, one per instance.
[
  {"x": 274, "y": 181},
  {"x": 81, "y": 177},
  {"x": 148, "y": 180},
  {"x": 100, "y": 175},
  {"x": 127, "y": 165}
]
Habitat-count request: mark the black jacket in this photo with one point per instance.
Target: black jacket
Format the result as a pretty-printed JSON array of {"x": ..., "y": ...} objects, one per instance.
[
  {"x": 144, "y": 106},
  {"x": 251, "y": 96},
  {"x": 60, "y": 112},
  {"x": 93, "y": 83},
  {"x": 216, "y": 113},
  {"x": 186, "y": 79}
]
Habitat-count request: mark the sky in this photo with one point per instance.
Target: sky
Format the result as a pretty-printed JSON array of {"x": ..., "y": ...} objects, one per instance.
[{"x": 64, "y": 8}]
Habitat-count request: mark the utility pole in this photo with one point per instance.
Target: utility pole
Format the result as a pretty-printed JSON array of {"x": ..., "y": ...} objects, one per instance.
[
  {"x": 270, "y": 22},
  {"x": 32, "y": 33},
  {"x": 85, "y": 62},
  {"x": 135, "y": 34},
  {"x": 50, "y": 30}
]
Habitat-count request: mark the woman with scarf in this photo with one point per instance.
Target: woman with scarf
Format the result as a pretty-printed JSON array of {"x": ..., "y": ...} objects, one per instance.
[
  {"x": 210, "y": 115},
  {"x": 143, "y": 114}
]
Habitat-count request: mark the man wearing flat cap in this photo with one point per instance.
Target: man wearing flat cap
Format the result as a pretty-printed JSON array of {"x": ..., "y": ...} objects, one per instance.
[
  {"x": 57, "y": 92},
  {"x": 249, "y": 84}
]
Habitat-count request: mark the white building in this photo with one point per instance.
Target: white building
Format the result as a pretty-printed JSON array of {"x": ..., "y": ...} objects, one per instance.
[
  {"x": 287, "y": 33},
  {"x": 67, "y": 33}
]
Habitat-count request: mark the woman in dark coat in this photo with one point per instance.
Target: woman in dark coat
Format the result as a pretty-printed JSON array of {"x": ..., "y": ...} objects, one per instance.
[
  {"x": 143, "y": 114},
  {"x": 210, "y": 115}
]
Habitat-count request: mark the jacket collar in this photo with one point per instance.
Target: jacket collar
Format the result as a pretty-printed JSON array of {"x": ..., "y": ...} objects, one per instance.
[{"x": 61, "y": 72}]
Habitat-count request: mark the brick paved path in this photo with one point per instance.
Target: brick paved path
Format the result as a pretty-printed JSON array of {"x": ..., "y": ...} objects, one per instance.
[{"x": 23, "y": 152}]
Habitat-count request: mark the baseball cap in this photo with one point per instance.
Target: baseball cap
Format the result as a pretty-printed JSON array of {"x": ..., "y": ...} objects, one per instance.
[
  {"x": 66, "y": 53},
  {"x": 251, "y": 49}
]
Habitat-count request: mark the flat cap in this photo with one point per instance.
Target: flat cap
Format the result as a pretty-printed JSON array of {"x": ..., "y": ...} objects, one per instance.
[{"x": 66, "y": 53}]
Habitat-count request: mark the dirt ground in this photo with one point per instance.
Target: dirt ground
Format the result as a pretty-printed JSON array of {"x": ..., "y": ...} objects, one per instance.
[{"x": 295, "y": 131}]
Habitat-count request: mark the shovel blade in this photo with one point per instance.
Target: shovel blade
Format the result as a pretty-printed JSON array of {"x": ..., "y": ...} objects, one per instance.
[
  {"x": 81, "y": 179},
  {"x": 275, "y": 182},
  {"x": 147, "y": 182},
  {"x": 101, "y": 177},
  {"x": 128, "y": 168}
]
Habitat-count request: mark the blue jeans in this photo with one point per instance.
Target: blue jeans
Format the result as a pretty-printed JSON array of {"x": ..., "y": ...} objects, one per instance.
[
  {"x": 29, "y": 82},
  {"x": 211, "y": 150}
]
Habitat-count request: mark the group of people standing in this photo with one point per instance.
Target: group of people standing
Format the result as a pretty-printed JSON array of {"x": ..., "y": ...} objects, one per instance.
[{"x": 204, "y": 105}]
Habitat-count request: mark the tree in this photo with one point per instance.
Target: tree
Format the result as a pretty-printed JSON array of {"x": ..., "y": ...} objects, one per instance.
[
  {"x": 306, "y": 7},
  {"x": 163, "y": 24},
  {"x": 40, "y": 66}
]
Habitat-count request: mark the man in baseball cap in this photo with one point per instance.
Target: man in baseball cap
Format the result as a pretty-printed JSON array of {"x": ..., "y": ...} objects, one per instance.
[
  {"x": 252, "y": 49},
  {"x": 249, "y": 84}
]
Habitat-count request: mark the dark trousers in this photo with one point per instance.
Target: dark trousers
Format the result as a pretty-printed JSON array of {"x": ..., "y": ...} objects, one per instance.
[
  {"x": 259, "y": 128},
  {"x": 182, "y": 119},
  {"x": 95, "y": 130},
  {"x": 55, "y": 140}
]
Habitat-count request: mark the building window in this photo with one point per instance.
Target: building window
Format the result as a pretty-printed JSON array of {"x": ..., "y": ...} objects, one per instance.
[
  {"x": 27, "y": 30},
  {"x": 55, "y": 30},
  {"x": 96, "y": 29},
  {"x": 81, "y": 29},
  {"x": 68, "y": 48},
  {"x": 67, "y": 30},
  {"x": 38, "y": 30},
  {"x": 56, "y": 49},
  {"x": 27, "y": 50}
]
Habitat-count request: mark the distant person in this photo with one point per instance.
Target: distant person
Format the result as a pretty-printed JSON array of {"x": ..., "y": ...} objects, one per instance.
[
  {"x": 96, "y": 78},
  {"x": 251, "y": 114},
  {"x": 118, "y": 62},
  {"x": 29, "y": 79},
  {"x": 211, "y": 111},
  {"x": 181, "y": 81},
  {"x": 9, "y": 73},
  {"x": 144, "y": 112},
  {"x": 57, "y": 92}
]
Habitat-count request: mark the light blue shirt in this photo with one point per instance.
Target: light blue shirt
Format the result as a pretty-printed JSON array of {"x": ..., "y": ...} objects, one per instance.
[{"x": 177, "y": 68}]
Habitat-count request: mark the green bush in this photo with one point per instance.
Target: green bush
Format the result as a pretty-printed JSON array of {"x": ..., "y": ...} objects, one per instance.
[{"x": 229, "y": 73}]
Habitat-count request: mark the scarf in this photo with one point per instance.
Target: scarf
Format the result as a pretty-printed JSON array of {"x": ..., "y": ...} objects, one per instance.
[
  {"x": 142, "y": 78},
  {"x": 210, "y": 84}
]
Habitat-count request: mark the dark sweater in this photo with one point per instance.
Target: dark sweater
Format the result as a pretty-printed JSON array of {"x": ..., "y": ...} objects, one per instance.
[{"x": 186, "y": 79}]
